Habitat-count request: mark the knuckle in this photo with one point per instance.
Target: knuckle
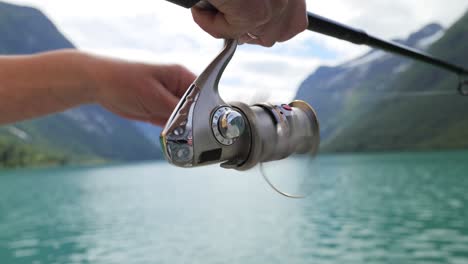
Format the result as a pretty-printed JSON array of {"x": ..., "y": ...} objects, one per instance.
[
  {"x": 215, "y": 34},
  {"x": 268, "y": 43},
  {"x": 286, "y": 37},
  {"x": 264, "y": 13},
  {"x": 303, "y": 24},
  {"x": 282, "y": 5},
  {"x": 203, "y": 22},
  {"x": 294, "y": 30},
  {"x": 198, "y": 18},
  {"x": 178, "y": 68}
]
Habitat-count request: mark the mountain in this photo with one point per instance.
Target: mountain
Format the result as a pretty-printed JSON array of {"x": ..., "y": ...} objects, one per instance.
[
  {"x": 151, "y": 132},
  {"x": 382, "y": 102},
  {"x": 85, "y": 134}
]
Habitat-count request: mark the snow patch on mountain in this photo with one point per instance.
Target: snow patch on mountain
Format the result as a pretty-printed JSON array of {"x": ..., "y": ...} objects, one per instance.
[
  {"x": 401, "y": 68},
  {"x": 425, "y": 43},
  {"x": 18, "y": 133},
  {"x": 90, "y": 122},
  {"x": 366, "y": 59}
]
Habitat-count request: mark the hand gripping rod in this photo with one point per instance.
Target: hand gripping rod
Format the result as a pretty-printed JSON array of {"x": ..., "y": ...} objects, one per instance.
[{"x": 341, "y": 31}]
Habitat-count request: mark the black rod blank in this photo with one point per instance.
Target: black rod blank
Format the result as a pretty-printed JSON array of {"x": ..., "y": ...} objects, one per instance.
[
  {"x": 335, "y": 29},
  {"x": 338, "y": 30}
]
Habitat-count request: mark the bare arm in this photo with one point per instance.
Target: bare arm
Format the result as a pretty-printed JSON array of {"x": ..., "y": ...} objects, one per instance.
[
  {"x": 36, "y": 85},
  {"x": 32, "y": 86}
]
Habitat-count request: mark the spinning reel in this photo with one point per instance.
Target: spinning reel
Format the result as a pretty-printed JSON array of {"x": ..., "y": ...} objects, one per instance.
[{"x": 204, "y": 129}]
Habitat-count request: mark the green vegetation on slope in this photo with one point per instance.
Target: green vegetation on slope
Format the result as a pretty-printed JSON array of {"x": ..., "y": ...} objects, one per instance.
[
  {"x": 15, "y": 154},
  {"x": 423, "y": 122}
]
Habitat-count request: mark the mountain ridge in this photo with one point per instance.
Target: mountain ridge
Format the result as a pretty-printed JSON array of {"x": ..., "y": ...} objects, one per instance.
[
  {"x": 329, "y": 86},
  {"x": 397, "y": 104}
]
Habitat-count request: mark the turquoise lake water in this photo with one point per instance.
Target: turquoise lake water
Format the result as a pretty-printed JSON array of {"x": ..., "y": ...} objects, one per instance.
[{"x": 385, "y": 208}]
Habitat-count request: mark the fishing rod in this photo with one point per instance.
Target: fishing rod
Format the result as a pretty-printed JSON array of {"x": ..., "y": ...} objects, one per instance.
[
  {"x": 334, "y": 29},
  {"x": 337, "y": 30},
  {"x": 204, "y": 129}
]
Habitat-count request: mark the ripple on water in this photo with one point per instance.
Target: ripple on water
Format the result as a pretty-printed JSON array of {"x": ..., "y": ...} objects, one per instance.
[
  {"x": 365, "y": 209},
  {"x": 24, "y": 243},
  {"x": 22, "y": 253}
]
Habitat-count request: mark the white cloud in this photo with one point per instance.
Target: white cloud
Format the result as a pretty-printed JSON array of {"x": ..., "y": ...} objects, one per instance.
[
  {"x": 157, "y": 31},
  {"x": 390, "y": 19}
]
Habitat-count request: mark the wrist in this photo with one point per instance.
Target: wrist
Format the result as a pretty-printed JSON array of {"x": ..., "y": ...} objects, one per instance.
[
  {"x": 87, "y": 68},
  {"x": 102, "y": 76},
  {"x": 71, "y": 76}
]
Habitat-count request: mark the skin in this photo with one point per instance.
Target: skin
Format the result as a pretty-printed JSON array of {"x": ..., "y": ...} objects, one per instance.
[
  {"x": 46, "y": 83},
  {"x": 270, "y": 21},
  {"x": 41, "y": 84}
]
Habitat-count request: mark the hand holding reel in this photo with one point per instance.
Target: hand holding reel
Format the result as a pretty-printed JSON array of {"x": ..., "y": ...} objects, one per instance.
[{"x": 204, "y": 129}]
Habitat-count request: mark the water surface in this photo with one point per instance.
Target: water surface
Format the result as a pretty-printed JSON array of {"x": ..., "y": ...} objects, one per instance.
[{"x": 386, "y": 208}]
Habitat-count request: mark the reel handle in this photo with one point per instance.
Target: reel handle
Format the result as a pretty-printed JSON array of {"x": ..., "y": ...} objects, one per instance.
[{"x": 190, "y": 137}]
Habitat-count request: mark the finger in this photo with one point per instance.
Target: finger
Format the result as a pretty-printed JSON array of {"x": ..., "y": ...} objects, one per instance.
[
  {"x": 175, "y": 78},
  {"x": 142, "y": 118},
  {"x": 160, "y": 101},
  {"x": 266, "y": 35},
  {"x": 247, "y": 39},
  {"x": 185, "y": 81},
  {"x": 154, "y": 99},
  {"x": 158, "y": 121},
  {"x": 232, "y": 19},
  {"x": 278, "y": 30},
  {"x": 216, "y": 24},
  {"x": 282, "y": 27},
  {"x": 294, "y": 21},
  {"x": 269, "y": 37}
]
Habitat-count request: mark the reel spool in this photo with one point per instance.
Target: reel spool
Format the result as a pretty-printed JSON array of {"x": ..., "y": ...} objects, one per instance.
[{"x": 204, "y": 129}]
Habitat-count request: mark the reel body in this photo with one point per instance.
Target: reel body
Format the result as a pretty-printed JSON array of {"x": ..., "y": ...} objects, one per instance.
[{"x": 204, "y": 129}]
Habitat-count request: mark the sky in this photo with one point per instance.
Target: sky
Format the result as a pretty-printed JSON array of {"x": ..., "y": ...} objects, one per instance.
[{"x": 156, "y": 31}]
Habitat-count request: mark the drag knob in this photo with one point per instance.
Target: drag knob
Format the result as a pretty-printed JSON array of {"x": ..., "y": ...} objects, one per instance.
[
  {"x": 227, "y": 125},
  {"x": 231, "y": 124}
]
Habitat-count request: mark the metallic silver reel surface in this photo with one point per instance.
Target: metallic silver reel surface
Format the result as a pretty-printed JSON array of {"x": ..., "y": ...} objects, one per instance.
[{"x": 204, "y": 129}]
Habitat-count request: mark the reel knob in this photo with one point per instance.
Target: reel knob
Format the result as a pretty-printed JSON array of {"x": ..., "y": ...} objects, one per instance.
[
  {"x": 227, "y": 125},
  {"x": 231, "y": 125}
]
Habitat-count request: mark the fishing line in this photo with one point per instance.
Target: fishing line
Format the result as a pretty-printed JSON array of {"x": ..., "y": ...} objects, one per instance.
[
  {"x": 374, "y": 95},
  {"x": 390, "y": 94},
  {"x": 420, "y": 94},
  {"x": 288, "y": 195}
]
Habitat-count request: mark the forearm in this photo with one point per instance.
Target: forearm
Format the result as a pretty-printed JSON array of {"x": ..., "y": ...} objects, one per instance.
[{"x": 32, "y": 86}]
